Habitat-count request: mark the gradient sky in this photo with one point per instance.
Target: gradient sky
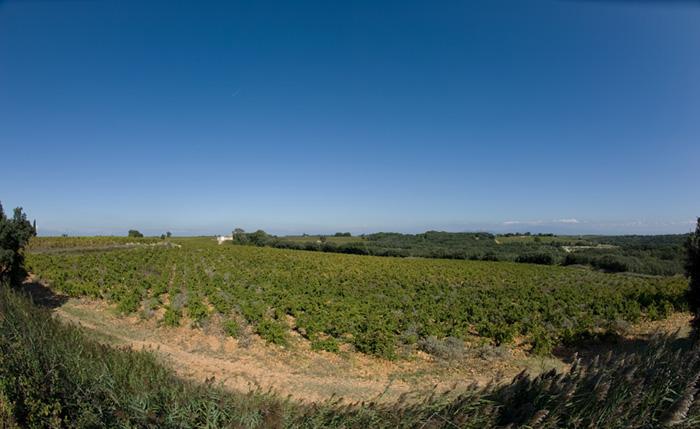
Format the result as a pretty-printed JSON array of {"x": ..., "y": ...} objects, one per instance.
[{"x": 200, "y": 116}]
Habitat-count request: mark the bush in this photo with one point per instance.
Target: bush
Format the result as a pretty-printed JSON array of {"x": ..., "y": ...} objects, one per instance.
[
  {"x": 128, "y": 301},
  {"x": 611, "y": 263},
  {"x": 196, "y": 310},
  {"x": 14, "y": 235},
  {"x": 376, "y": 341},
  {"x": 134, "y": 234},
  {"x": 536, "y": 258},
  {"x": 272, "y": 331},
  {"x": 328, "y": 344},
  {"x": 232, "y": 328},
  {"x": 171, "y": 317},
  {"x": 449, "y": 349}
]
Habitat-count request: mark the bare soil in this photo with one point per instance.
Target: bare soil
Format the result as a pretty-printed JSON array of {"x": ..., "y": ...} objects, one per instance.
[{"x": 200, "y": 353}]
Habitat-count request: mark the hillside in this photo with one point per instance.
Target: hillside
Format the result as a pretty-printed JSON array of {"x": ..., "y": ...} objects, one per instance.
[{"x": 376, "y": 305}]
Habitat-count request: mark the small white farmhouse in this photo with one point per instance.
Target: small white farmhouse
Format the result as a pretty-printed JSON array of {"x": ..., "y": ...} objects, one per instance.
[{"x": 220, "y": 239}]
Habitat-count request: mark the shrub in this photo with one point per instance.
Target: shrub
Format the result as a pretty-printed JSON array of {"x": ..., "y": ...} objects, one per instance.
[
  {"x": 129, "y": 301},
  {"x": 376, "y": 341},
  {"x": 536, "y": 258},
  {"x": 232, "y": 328},
  {"x": 610, "y": 263},
  {"x": 15, "y": 233},
  {"x": 134, "y": 234},
  {"x": 449, "y": 348},
  {"x": 171, "y": 317},
  {"x": 196, "y": 310},
  {"x": 272, "y": 331},
  {"x": 328, "y": 344}
]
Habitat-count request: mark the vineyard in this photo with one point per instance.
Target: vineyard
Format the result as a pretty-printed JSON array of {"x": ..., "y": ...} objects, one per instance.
[
  {"x": 77, "y": 243},
  {"x": 374, "y": 304}
]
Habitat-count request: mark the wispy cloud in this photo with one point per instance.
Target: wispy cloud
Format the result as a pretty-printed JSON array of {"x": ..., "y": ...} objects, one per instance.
[
  {"x": 541, "y": 222},
  {"x": 571, "y": 220}
]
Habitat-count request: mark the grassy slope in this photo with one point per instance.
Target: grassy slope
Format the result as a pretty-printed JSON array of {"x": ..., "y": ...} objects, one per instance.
[{"x": 52, "y": 376}]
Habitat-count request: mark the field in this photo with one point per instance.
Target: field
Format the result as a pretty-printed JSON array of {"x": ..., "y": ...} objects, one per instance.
[
  {"x": 655, "y": 255},
  {"x": 375, "y": 305}
]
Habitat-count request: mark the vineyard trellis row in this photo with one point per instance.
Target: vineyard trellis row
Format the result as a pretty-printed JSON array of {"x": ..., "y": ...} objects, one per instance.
[{"x": 369, "y": 302}]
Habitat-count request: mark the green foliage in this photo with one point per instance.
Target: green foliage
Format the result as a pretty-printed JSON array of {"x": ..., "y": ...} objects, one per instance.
[
  {"x": 376, "y": 304},
  {"x": 71, "y": 244},
  {"x": 58, "y": 378},
  {"x": 536, "y": 258},
  {"x": 171, "y": 317},
  {"x": 272, "y": 331},
  {"x": 232, "y": 328},
  {"x": 328, "y": 344},
  {"x": 656, "y": 255},
  {"x": 128, "y": 301},
  {"x": 257, "y": 238},
  {"x": 15, "y": 233},
  {"x": 196, "y": 310},
  {"x": 134, "y": 233},
  {"x": 53, "y": 376},
  {"x": 376, "y": 339}
]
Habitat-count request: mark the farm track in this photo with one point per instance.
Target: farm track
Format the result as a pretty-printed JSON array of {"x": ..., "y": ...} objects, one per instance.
[
  {"x": 202, "y": 353},
  {"x": 199, "y": 354}
]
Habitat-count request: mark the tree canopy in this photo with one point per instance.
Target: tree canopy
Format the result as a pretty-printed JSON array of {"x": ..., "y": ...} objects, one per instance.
[
  {"x": 15, "y": 232},
  {"x": 135, "y": 233}
]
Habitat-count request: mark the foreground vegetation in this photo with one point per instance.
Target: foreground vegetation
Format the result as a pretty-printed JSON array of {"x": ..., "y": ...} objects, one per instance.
[
  {"x": 51, "y": 375},
  {"x": 376, "y": 305}
]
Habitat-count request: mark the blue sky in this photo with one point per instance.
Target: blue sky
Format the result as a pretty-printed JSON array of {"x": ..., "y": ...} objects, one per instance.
[{"x": 197, "y": 117}]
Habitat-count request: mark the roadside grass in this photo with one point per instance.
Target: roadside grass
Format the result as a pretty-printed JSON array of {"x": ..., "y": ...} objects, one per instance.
[{"x": 52, "y": 375}]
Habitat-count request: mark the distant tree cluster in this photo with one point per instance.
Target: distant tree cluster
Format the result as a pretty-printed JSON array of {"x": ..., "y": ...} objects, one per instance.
[
  {"x": 257, "y": 238},
  {"x": 525, "y": 234},
  {"x": 655, "y": 255},
  {"x": 15, "y": 233},
  {"x": 134, "y": 234}
]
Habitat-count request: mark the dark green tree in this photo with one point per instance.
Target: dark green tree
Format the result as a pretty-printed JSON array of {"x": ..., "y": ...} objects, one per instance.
[
  {"x": 134, "y": 233},
  {"x": 14, "y": 234},
  {"x": 240, "y": 236},
  {"x": 692, "y": 271},
  {"x": 259, "y": 237},
  {"x": 168, "y": 234}
]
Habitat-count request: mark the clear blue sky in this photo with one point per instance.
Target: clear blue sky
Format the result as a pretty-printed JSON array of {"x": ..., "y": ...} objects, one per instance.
[{"x": 199, "y": 116}]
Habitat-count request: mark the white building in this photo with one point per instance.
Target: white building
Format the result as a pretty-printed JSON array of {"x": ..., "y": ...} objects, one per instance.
[{"x": 220, "y": 239}]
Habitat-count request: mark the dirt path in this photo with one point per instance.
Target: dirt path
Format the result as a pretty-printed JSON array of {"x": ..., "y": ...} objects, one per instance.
[
  {"x": 200, "y": 354},
  {"x": 297, "y": 371}
]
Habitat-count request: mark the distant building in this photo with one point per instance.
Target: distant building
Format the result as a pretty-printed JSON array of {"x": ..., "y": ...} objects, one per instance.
[{"x": 220, "y": 239}]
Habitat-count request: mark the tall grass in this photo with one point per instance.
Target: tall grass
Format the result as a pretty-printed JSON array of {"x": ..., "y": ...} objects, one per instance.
[{"x": 51, "y": 375}]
